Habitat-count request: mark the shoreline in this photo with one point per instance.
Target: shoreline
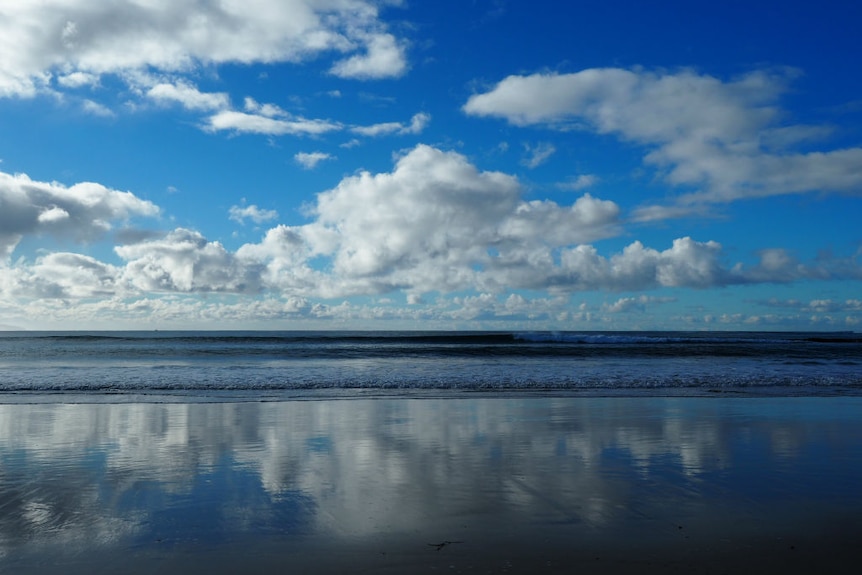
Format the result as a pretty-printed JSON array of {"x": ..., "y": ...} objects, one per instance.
[
  {"x": 193, "y": 396},
  {"x": 511, "y": 484}
]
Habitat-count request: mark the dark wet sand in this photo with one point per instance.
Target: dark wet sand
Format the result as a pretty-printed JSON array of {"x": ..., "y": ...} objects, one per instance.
[{"x": 472, "y": 485}]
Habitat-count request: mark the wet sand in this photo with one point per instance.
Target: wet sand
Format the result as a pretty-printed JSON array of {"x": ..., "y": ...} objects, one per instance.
[{"x": 517, "y": 484}]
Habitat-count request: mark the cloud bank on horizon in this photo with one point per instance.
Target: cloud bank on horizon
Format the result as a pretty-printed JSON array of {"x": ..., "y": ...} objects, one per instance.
[{"x": 369, "y": 164}]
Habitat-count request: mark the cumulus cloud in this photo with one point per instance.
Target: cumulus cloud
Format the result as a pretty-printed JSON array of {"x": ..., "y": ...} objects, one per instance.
[
  {"x": 60, "y": 276},
  {"x": 687, "y": 263},
  {"x": 435, "y": 209},
  {"x": 725, "y": 139},
  {"x": 82, "y": 212},
  {"x": 184, "y": 261},
  {"x": 435, "y": 221},
  {"x": 79, "y": 41},
  {"x": 587, "y": 219},
  {"x": 156, "y": 49},
  {"x": 253, "y": 213},
  {"x": 383, "y": 57},
  {"x": 434, "y": 225},
  {"x": 282, "y": 258},
  {"x": 309, "y": 160},
  {"x": 68, "y": 275}
]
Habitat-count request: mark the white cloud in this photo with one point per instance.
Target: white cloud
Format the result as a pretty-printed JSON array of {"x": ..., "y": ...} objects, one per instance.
[
  {"x": 267, "y": 110},
  {"x": 434, "y": 209},
  {"x": 635, "y": 304},
  {"x": 818, "y": 305},
  {"x": 378, "y": 129},
  {"x": 417, "y": 124},
  {"x": 434, "y": 224},
  {"x": 538, "y": 154},
  {"x": 384, "y": 57},
  {"x": 253, "y": 213},
  {"x": 54, "y": 39},
  {"x": 282, "y": 260},
  {"x": 97, "y": 109},
  {"x": 265, "y": 119},
  {"x": 188, "y": 96},
  {"x": 70, "y": 275},
  {"x": 59, "y": 276},
  {"x": 78, "y": 80},
  {"x": 52, "y": 215},
  {"x": 83, "y": 211},
  {"x": 687, "y": 263},
  {"x": 309, "y": 160},
  {"x": 587, "y": 219},
  {"x": 184, "y": 261},
  {"x": 658, "y": 213},
  {"x": 582, "y": 182},
  {"x": 725, "y": 139},
  {"x": 243, "y": 123}
]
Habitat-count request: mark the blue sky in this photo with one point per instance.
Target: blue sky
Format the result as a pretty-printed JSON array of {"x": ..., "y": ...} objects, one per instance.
[{"x": 293, "y": 164}]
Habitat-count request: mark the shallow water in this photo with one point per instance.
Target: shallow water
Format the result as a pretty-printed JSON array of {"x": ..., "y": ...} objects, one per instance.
[{"x": 513, "y": 484}]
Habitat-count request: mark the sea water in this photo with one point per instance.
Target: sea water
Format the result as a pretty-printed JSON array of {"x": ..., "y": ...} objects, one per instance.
[
  {"x": 264, "y": 364},
  {"x": 197, "y": 452}
]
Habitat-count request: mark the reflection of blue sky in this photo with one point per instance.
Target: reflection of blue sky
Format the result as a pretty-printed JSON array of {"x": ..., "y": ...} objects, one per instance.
[
  {"x": 222, "y": 504},
  {"x": 144, "y": 475},
  {"x": 319, "y": 444}
]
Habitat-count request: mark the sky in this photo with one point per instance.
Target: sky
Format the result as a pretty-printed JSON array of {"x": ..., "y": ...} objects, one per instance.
[{"x": 456, "y": 164}]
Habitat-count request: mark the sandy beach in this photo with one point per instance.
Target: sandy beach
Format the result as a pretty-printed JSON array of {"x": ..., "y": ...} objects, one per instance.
[{"x": 513, "y": 484}]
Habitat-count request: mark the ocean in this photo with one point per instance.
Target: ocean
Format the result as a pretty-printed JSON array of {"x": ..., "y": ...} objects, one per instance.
[
  {"x": 406, "y": 452},
  {"x": 285, "y": 364}
]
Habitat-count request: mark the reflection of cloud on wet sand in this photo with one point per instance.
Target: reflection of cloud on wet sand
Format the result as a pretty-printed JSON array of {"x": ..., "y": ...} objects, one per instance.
[{"x": 99, "y": 474}]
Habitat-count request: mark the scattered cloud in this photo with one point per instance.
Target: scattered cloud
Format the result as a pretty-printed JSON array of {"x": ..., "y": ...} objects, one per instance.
[
  {"x": 581, "y": 182},
  {"x": 78, "y": 80},
  {"x": 637, "y": 304},
  {"x": 184, "y": 261},
  {"x": 658, "y": 213},
  {"x": 77, "y": 43},
  {"x": 434, "y": 228},
  {"x": 253, "y": 213},
  {"x": 538, "y": 154},
  {"x": 82, "y": 212},
  {"x": 188, "y": 96},
  {"x": 259, "y": 123},
  {"x": 309, "y": 160},
  {"x": 417, "y": 124},
  {"x": 384, "y": 57},
  {"x": 67, "y": 275},
  {"x": 725, "y": 139},
  {"x": 96, "y": 109},
  {"x": 816, "y": 305}
]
